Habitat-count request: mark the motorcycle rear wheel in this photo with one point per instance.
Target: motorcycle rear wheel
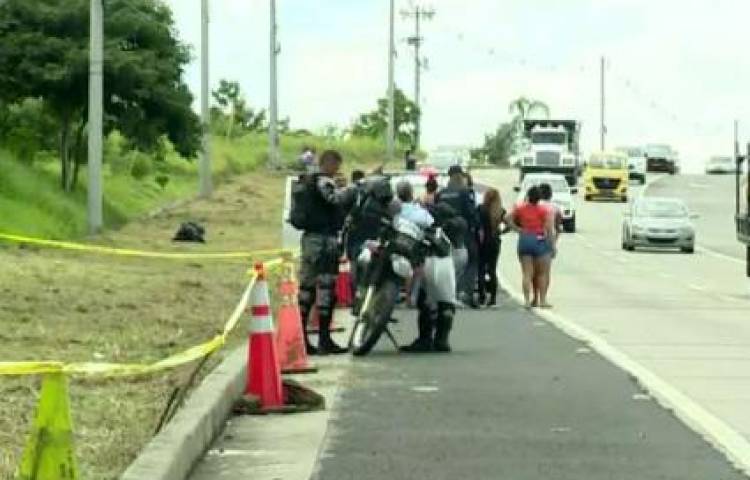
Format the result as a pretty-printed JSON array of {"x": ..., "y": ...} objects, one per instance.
[{"x": 372, "y": 323}]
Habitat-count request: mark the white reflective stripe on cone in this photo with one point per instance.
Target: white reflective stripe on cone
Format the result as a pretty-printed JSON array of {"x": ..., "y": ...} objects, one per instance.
[{"x": 261, "y": 320}]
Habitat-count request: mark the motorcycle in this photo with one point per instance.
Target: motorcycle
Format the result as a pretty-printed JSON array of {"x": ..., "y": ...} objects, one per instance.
[{"x": 388, "y": 262}]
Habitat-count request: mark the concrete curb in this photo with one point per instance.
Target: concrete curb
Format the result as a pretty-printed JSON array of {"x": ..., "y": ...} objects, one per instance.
[{"x": 173, "y": 453}]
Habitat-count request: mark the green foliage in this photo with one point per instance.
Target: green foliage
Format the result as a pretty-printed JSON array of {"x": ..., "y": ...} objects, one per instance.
[
  {"x": 45, "y": 56},
  {"x": 375, "y": 124},
  {"x": 25, "y": 129},
  {"x": 523, "y": 108},
  {"x": 141, "y": 165},
  {"x": 233, "y": 116},
  {"x": 498, "y": 146},
  {"x": 162, "y": 180}
]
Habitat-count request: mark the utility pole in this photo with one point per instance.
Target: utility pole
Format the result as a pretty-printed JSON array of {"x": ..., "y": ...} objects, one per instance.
[
  {"x": 390, "y": 134},
  {"x": 273, "y": 133},
  {"x": 205, "y": 165},
  {"x": 738, "y": 168},
  {"x": 96, "y": 71},
  {"x": 603, "y": 125},
  {"x": 418, "y": 12}
]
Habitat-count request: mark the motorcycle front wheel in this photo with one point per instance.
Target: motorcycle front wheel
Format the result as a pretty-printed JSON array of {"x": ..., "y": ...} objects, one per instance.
[{"x": 372, "y": 322}]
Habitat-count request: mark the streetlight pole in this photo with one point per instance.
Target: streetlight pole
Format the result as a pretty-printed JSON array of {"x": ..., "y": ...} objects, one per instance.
[
  {"x": 603, "y": 124},
  {"x": 418, "y": 13},
  {"x": 205, "y": 165},
  {"x": 390, "y": 135},
  {"x": 273, "y": 134},
  {"x": 96, "y": 72}
]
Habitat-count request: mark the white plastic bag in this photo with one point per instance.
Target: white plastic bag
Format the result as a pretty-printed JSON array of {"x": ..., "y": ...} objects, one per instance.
[{"x": 440, "y": 279}]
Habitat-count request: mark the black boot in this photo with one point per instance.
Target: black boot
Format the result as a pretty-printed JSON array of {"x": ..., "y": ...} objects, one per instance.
[
  {"x": 443, "y": 330},
  {"x": 326, "y": 345},
  {"x": 425, "y": 326}
]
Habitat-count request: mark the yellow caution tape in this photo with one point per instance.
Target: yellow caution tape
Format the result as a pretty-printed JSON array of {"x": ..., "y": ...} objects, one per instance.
[
  {"x": 142, "y": 253},
  {"x": 123, "y": 369}
]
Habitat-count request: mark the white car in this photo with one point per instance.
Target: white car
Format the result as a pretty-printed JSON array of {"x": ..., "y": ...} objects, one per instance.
[
  {"x": 636, "y": 163},
  {"x": 720, "y": 164},
  {"x": 562, "y": 195}
]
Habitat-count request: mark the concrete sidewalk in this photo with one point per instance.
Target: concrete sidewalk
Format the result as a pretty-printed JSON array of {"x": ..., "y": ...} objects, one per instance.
[{"x": 516, "y": 400}]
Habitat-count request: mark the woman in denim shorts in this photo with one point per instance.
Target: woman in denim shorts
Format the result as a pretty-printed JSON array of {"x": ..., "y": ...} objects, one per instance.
[{"x": 536, "y": 243}]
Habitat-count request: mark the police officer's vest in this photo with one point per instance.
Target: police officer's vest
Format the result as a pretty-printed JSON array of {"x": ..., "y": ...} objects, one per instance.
[{"x": 311, "y": 212}]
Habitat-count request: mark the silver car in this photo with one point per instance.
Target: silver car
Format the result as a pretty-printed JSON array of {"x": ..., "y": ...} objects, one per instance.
[{"x": 658, "y": 223}]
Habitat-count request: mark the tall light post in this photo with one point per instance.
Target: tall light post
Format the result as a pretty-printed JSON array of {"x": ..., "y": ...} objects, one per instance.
[
  {"x": 416, "y": 41},
  {"x": 603, "y": 124},
  {"x": 273, "y": 129},
  {"x": 205, "y": 165},
  {"x": 96, "y": 72},
  {"x": 390, "y": 134}
]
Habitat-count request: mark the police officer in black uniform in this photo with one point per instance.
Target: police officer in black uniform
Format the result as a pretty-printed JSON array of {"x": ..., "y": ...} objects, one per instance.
[
  {"x": 320, "y": 249},
  {"x": 459, "y": 197}
]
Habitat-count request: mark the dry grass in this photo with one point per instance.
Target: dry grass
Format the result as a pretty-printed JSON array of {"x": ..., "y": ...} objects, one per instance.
[{"x": 56, "y": 305}]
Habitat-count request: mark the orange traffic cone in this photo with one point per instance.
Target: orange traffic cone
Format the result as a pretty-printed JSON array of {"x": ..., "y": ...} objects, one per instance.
[
  {"x": 290, "y": 340},
  {"x": 344, "y": 297},
  {"x": 263, "y": 371}
]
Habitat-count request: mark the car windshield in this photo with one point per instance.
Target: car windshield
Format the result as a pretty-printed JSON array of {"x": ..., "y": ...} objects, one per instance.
[
  {"x": 613, "y": 163},
  {"x": 558, "y": 138},
  {"x": 559, "y": 185},
  {"x": 661, "y": 209}
]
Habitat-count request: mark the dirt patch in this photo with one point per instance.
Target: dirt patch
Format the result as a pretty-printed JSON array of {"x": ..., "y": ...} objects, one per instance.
[{"x": 57, "y": 305}]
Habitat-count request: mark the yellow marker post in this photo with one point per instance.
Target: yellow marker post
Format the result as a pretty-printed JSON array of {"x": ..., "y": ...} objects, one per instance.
[{"x": 49, "y": 452}]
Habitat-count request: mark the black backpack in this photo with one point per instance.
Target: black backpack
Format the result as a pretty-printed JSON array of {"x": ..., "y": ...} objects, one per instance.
[
  {"x": 304, "y": 192},
  {"x": 190, "y": 232}
]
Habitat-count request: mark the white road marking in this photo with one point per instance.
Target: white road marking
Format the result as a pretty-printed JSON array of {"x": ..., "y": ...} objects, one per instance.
[
  {"x": 717, "y": 432},
  {"x": 699, "y": 288},
  {"x": 425, "y": 389},
  {"x": 720, "y": 255}
]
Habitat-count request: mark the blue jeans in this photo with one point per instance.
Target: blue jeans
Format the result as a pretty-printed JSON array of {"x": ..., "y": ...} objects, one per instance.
[{"x": 533, "y": 245}]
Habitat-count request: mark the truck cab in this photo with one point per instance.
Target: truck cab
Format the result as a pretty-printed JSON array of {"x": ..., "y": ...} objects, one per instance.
[
  {"x": 552, "y": 147},
  {"x": 606, "y": 176}
]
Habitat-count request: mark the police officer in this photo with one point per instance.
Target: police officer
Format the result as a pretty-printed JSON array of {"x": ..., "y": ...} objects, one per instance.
[
  {"x": 435, "y": 302},
  {"x": 459, "y": 198},
  {"x": 320, "y": 250}
]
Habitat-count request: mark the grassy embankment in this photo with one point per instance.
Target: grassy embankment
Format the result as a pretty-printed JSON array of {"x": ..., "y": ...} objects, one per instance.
[{"x": 68, "y": 306}]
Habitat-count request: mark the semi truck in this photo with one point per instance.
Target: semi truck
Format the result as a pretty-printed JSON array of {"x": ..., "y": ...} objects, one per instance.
[{"x": 552, "y": 146}]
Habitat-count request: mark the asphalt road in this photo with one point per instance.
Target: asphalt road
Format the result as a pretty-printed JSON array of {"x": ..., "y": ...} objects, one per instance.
[
  {"x": 516, "y": 400},
  {"x": 682, "y": 317},
  {"x": 712, "y": 198}
]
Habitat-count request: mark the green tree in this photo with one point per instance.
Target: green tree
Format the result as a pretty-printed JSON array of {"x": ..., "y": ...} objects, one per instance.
[
  {"x": 233, "y": 110},
  {"x": 375, "y": 124},
  {"x": 44, "y": 55},
  {"x": 498, "y": 146},
  {"x": 25, "y": 128},
  {"x": 523, "y": 108}
]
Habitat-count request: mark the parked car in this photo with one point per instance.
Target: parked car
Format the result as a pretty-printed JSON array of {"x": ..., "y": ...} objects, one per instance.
[
  {"x": 562, "y": 195},
  {"x": 658, "y": 222},
  {"x": 720, "y": 164}
]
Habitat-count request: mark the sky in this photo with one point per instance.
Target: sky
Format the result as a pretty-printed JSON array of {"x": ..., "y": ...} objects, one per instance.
[{"x": 674, "y": 69}]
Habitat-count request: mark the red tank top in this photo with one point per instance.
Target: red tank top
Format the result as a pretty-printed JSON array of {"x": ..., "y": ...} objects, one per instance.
[{"x": 531, "y": 218}]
